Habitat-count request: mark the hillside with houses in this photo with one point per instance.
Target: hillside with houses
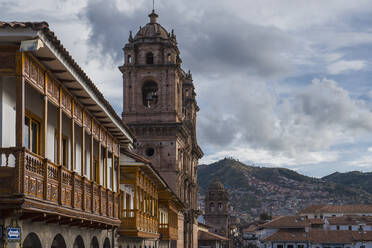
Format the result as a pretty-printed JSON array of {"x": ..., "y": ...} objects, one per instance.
[{"x": 277, "y": 191}]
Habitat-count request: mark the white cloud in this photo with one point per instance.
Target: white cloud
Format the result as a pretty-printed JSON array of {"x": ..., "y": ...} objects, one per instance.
[
  {"x": 240, "y": 58},
  {"x": 342, "y": 66},
  {"x": 265, "y": 157}
]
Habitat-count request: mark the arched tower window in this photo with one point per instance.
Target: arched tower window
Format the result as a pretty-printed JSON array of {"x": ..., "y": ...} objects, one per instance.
[
  {"x": 219, "y": 206},
  {"x": 211, "y": 206},
  {"x": 129, "y": 59},
  {"x": 150, "y": 58},
  {"x": 150, "y": 94}
]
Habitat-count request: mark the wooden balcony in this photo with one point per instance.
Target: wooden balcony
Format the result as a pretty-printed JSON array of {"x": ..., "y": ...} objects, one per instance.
[
  {"x": 49, "y": 192},
  {"x": 168, "y": 232},
  {"x": 135, "y": 223}
]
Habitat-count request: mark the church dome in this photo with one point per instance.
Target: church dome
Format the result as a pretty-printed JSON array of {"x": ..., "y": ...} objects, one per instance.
[
  {"x": 152, "y": 29},
  {"x": 216, "y": 185}
]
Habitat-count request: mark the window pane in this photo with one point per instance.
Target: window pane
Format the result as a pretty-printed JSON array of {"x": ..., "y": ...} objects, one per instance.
[
  {"x": 27, "y": 132},
  {"x": 34, "y": 137}
]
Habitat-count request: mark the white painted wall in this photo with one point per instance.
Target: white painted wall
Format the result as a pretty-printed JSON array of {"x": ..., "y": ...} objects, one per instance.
[
  {"x": 101, "y": 165},
  {"x": 8, "y": 112},
  {"x": 51, "y": 131},
  {"x": 109, "y": 170},
  {"x": 115, "y": 179},
  {"x": 87, "y": 155},
  {"x": 66, "y": 131},
  {"x": 127, "y": 189},
  {"x": 78, "y": 137}
]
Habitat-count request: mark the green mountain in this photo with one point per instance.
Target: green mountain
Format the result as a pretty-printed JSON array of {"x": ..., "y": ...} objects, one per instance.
[
  {"x": 254, "y": 190},
  {"x": 356, "y": 179}
]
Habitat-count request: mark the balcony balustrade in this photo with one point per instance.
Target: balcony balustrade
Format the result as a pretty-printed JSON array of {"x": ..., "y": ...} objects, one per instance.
[
  {"x": 138, "y": 223},
  {"x": 45, "y": 186}
]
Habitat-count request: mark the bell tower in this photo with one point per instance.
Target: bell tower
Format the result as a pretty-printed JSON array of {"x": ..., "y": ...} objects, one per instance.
[
  {"x": 217, "y": 208},
  {"x": 160, "y": 108}
]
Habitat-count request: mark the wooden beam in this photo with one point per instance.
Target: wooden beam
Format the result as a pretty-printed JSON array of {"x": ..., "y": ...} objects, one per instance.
[
  {"x": 89, "y": 105},
  {"x": 96, "y": 111},
  {"x": 73, "y": 155},
  {"x": 53, "y": 219},
  {"x": 20, "y": 102},
  {"x": 77, "y": 223},
  {"x": 83, "y": 146},
  {"x": 83, "y": 97},
  {"x": 66, "y": 221},
  {"x": 45, "y": 119},
  {"x": 39, "y": 218},
  {"x": 59, "y": 152},
  {"x": 66, "y": 80},
  {"x": 45, "y": 59},
  {"x": 91, "y": 155},
  {"x": 26, "y": 216},
  {"x": 57, "y": 71},
  {"x": 74, "y": 89}
]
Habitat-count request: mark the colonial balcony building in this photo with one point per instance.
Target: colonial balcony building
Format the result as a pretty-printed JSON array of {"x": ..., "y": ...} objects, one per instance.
[
  {"x": 68, "y": 176},
  {"x": 60, "y": 148},
  {"x": 150, "y": 208}
]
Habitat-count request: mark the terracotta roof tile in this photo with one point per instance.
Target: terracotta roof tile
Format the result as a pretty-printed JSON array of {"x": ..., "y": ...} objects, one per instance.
[
  {"x": 287, "y": 222},
  {"x": 350, "y": 220},
  {"x": 315, "y": 209},
  {"x": 320, "y": 236},
  {"x": 44, "y": 27},
  {"x": 202, "y": 235}
]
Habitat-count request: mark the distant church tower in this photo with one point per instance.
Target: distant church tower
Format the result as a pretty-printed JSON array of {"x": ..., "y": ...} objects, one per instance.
[
  {"x": 217, "y": 209},
  {"x": 160, "y": 108}
]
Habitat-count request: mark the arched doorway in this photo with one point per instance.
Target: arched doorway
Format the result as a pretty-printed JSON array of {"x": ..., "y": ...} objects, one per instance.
[
  {"x": 106, "y": 244},
  {"x": 58, "y": 242},
  {"x": 79, "y": 243},
  {"x": 94, "y": 243},
  {"x": 32, "y": 241}
]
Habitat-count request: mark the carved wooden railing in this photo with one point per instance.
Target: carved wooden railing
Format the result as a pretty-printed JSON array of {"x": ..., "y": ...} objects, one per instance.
[
  {"x": 28, "y": 174},
  {"x": 168, "y": 232},
  {"x": 137, "y": 220}
]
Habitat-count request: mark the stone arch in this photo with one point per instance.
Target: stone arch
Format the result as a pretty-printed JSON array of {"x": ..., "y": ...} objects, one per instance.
[
  {"x": 94, "y": 243},
  {"x": 106, "y": 243},
  {"x": 58, "y": 242},
  {"x": 79, "y": 242},
  {"x": 32, "y": 241}
]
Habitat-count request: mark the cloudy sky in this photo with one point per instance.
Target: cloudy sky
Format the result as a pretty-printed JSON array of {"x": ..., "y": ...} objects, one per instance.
[{"x": 283, "y": 83}]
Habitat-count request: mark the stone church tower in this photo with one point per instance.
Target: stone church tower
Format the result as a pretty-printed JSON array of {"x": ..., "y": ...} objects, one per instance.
[
  {"x": 160, "y": 108},
  {"x": 217, "y": 209}
]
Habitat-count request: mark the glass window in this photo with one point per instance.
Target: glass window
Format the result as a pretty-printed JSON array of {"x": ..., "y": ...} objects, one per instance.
[
  {"x": 32, "y": 134},
  {"x": 27, "y": 132}
]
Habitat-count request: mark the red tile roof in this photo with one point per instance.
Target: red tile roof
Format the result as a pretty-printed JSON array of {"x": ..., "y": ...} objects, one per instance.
[
  {"x": 202, "y": 235},
  {"x": 44, "y": 28},
  {"x": 287, "y": 222},
  {"x": 350, "y": 220},
  {"x": 320, "y": 236},
  {"x": 317, "y": 209}
]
